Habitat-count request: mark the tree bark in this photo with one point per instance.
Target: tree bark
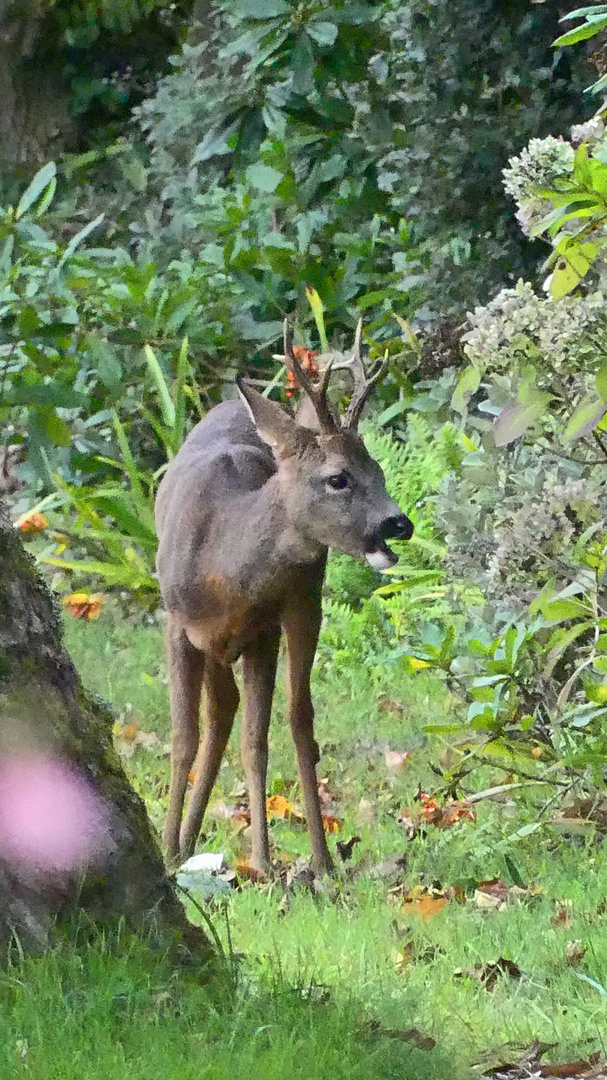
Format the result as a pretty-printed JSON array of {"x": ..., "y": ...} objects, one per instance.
[
  {"x": 34, "y": 117},
  {"x": 46, "y": 717}
]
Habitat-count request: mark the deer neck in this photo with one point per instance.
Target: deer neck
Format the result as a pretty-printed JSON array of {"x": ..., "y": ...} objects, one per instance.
[{"x": 281, "y": 541}]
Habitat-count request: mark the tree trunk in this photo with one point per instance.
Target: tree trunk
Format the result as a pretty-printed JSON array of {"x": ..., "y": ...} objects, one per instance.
[
  {"x": 73, "y": 833},
  {"x": 34, "y": 118}
]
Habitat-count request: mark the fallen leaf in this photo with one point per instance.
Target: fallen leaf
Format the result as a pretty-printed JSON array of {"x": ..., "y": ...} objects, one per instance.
[
  {"x": 393, "y": 866},
  {"x": 33, "y": 524},
  {"x": 412, "y": 1035},
  {"x": 491, "y": 894},
  {"x": 575, "y": 952},
  {"x": 331, "y": 824},
  {"x": 130, "y": 738},
  {"x": 425, "y": 903},
  {"x": 238, "y": 812},
  {"x": 248, "y": 873},
  {"x": 395, "y": 759},
  {"x": 389, "y": 705},
  {"x": 576, "y": 1069},
  {"x": 84, "y": 605},
  {"x": 560, "y": 918},
  {"x": 278, "y": 806},
  {"x": 488, "y": 974}
]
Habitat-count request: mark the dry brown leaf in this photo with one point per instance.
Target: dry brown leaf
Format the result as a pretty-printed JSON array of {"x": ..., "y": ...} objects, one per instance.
[
  {"x": 580, "y": 1070},
  {"x": 423, "y": 903},
  {"x": 395, "y": 759},
  {"x": 331, "y": 824},
  {"x": 560, "y": 918},
  {"x": 278, "y": 806},
  {"x": 491, "y": 894},
  {"x": 389, "y": 705},
  {"x": 575, "y": 952},
  {"x": 247, "y": 872},
  {"x": 130, "y": 738},
  {"x": 412, "y": 1035},
  {"x": 83, "y": 605},
  {"x": 33, "y": 524},
  {"x": 488, "y": 974}
]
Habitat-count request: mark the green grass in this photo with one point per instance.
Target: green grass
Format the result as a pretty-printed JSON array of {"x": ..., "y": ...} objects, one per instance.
[{"x": 320, "y": 983}]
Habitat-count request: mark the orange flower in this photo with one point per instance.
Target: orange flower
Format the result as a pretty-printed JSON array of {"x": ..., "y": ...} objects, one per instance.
[
  {"x": 84, "y": 605},
  {"x": 33, "y": 524}
]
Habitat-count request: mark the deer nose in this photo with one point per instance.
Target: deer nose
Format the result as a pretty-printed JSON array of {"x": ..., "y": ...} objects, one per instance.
[{"x": 399, "y": 527}]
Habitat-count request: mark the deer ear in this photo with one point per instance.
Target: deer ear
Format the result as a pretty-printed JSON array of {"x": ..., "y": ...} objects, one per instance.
[{"x": 274, "y": 424}]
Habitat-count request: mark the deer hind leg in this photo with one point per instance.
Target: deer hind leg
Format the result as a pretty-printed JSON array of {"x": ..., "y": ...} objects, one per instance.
[
  {"x": 302, "y": 627},
  {"x": 259, "y": 674},
  {"x": 221, "y": 694},
  {"x": 186, "y": 669}
]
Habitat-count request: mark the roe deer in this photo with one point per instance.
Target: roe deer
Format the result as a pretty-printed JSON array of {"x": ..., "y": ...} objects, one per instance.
[{"x": 245, "y": 516}]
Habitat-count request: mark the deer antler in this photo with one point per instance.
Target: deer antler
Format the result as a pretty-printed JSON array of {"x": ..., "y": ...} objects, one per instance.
[
  {"x": 317, "y": 394},
  {"x": 362, "y": 385}
]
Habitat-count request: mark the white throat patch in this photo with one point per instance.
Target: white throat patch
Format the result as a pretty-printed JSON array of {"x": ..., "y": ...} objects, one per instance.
[{"x": 379, "y": 560}]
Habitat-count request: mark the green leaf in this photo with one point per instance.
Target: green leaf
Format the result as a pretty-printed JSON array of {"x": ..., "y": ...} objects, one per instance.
[
  {"x": 302, "y": 65},
  {"x": 80, "y": 236},
  {"x": 581, "y": 33},
  {"x": 556, "y": 610},
  {"x": 588, "y": 414},
  {"x": 574, "y": 263},
  {"x": 128, "y": 459},
  {"x": 601, "y": 382},
  {"x": 263, "y": 177},
  {"x": 353, "y": 14},
  {"x": 42, "y": 179},
  {"x": 215, "y": 142},
  {"x": 514, "y": 420},
  {"x": 52, "y": 394},
  {"x": 109, "y": 368},
  {"x": 469, "y": 382},
  {"x": 54, "y": 427},
  {"x": 166, "y": 402},
  {"x": 269, "y": 9},
  {"x": 322, "y": 32},
  {"x": 580, "y": 13},
  {"x": 565, "y": 639}
]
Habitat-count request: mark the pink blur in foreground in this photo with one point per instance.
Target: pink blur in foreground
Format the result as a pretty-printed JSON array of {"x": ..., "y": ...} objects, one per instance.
[{"x": 51, "y": 818}]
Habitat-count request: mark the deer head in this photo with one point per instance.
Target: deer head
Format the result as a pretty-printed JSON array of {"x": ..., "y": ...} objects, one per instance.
[{"x": 333, "y": 492}]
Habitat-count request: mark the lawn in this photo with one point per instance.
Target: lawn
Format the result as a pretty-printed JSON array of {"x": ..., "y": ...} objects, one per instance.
[{"x": 329, "y": 984}]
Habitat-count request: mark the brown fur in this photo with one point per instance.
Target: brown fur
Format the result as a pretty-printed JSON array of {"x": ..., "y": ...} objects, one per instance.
[{"x": 245, "y": 517}]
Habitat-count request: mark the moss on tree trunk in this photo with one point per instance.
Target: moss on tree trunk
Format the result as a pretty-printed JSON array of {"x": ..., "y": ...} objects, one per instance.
[{"x": 43, "y": 706}]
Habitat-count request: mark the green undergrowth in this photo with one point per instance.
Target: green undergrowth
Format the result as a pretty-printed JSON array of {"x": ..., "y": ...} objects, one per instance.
[{"x": 330, "y": 984}]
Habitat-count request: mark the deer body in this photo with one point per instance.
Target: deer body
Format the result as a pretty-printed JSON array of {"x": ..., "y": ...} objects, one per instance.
[{"x": 245, "y": 515}]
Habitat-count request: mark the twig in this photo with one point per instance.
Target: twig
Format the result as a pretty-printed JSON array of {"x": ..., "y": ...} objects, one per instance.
[
  {"x": 557, "y": 795},
  {"x": 527, "y": 776}
]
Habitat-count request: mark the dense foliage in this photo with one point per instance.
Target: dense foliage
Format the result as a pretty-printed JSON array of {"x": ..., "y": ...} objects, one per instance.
[{"x": 355, "y": 149}]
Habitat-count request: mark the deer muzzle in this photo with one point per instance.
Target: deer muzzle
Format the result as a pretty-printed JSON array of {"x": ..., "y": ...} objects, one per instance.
[{"x": 377, "y": 553}]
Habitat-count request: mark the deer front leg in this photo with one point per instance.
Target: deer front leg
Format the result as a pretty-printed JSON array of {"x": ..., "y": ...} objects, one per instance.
[
  {"x": 186, "y": 669},
  {"x": 302, "y": 627},
  {"x": 259, "y": 674},
  {"x": 221, "y": 702}
]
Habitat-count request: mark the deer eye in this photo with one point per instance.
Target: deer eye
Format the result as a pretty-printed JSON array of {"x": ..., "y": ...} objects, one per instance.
[{"x": 338, "y": 482}]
